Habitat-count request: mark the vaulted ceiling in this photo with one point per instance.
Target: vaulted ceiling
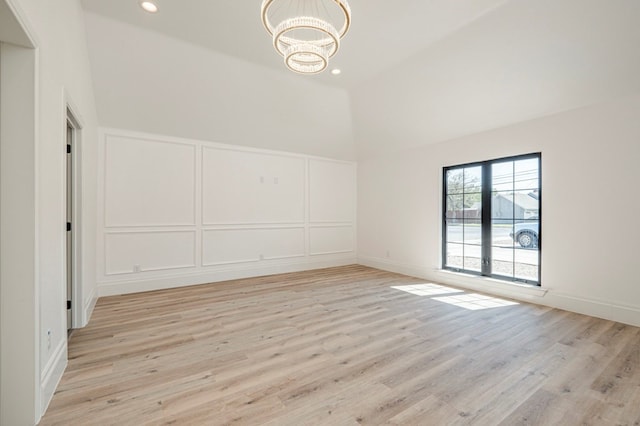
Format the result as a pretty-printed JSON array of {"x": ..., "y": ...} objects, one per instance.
[{"x": 413, "y": 71}]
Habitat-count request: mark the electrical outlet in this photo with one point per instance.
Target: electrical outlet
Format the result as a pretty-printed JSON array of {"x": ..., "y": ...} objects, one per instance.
[
  {"x": 136, "y": 268},
  {"x": 262, "y": 257},
  {"x": 388, "y": 254},
  {"x": 48, "y": 339}
]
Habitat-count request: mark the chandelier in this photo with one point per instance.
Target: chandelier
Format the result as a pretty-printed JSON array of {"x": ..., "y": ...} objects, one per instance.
[{"x": 304, "y": 31}]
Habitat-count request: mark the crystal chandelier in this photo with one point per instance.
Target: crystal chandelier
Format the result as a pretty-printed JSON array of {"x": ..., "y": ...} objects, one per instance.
[{"x": 304, "y": 31}]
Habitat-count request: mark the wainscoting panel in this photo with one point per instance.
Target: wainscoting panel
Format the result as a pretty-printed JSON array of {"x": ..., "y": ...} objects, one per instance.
[
  {"x": 251, "y": 188},
  {"x": 176, "y": 211},
  {"x": 225, "y": 246},
  {"x": 332, "y": 189},
  {"x": 331, "y": 239},
  {"x": 148, "y": 182},
  {"x": 142, "y": 251}
]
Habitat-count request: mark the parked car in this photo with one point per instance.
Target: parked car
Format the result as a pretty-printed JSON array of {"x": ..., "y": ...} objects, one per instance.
[{"x": 526, "y": 234}]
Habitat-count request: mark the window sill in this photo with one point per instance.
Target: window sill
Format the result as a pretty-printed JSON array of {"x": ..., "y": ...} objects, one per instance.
[{"x": 490, "y": 285}]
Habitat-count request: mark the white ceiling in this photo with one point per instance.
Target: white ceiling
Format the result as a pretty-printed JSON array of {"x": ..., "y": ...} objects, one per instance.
[
  {"x": 383, "y": 32},
  {"x": 524, "y": 60},
  {"x": 414, "y": 71}
]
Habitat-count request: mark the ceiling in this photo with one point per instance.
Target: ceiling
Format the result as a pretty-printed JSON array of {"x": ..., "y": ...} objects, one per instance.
[
  {"x": 383, "y": 33},
  {"x": 413, "y": 71}
]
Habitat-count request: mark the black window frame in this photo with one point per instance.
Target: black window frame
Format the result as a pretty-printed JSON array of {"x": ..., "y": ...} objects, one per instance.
[{"x": 486, "y": 218}]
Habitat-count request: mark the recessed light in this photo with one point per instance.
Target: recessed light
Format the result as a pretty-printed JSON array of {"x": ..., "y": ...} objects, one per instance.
[
  {"x": 335, "y": 71},
  {"x": 149, "y": 6}
]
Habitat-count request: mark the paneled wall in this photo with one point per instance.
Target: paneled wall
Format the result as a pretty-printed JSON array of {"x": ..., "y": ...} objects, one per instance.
[{"x": 179, "y": 212}]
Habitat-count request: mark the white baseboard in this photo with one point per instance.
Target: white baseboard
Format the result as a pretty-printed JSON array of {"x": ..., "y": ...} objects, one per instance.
[
  {"x": 183, "y": 280},
  {"x": 88, "y": 307},
  {"x": 51, "y": 375},
  {"x": 393, "y": 266},
  {"x": 596, "y": 308}
]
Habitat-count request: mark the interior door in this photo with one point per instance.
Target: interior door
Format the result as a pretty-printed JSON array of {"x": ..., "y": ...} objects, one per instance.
[{"x": 69, "y": 210}]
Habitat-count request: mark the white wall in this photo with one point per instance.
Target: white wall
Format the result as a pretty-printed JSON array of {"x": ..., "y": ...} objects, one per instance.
[
  {"x": 523, "y": 60},
  {"x": 63, "y": 77},
  {"x": 590, "y": 204},
  {"x": 162, "y": 85},
  {"x": 19, "y": 357},
  {"x": 178, "y": 212}
]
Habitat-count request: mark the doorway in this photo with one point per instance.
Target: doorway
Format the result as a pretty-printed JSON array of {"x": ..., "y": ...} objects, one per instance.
[
  {"x": 69, "y": 216},
  {"x": 73, "y": 204}
]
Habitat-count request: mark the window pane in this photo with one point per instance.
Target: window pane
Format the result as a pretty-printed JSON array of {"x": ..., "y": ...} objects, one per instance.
[
  {"x": 525, "y": 206},
  {"x": 472, "y": 179},
  {"x": 455, "y": 181},
  {"x": 502, "y": 206},
  {"x": 501, "y": 233},
  {"x": 472, "y": 232},
  {"x": 526, "y": 264},
  {"x": 526, "y": 175},
  {"x": 454, "y": 232},
  {"x": 455, "y": 206},
  {"x": 502, "y": 260},
  {"x": 454, "y": 256},
  {"x": 502, "y": 176},
  {"x": 472, "y": 255},
  {"x": 526, "y": 234},
  {"x": 473, "y": 206}
]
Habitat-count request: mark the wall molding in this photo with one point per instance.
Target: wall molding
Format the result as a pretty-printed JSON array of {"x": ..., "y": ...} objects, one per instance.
[
  {"x": 324, "y": 253},
  {"x": 540, "y": 296},
  {"x": 207, "y": 277},
  {"x": 104, "y": 137},
  {"x": 300, "y": 161},
  {"x": 251, "y": 259},
  {"x": 350, "y": 249},
  {"x": 131, "y": 227},
  {"x": 252, "y": 225},
  {"x": 272, "y": 237},
  {"x": 154, "y": 232},
  {"x": 52, "y": 373}
]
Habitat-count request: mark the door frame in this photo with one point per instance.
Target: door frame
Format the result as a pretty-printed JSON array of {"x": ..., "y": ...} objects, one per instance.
[{"x": 72, "y": 117}]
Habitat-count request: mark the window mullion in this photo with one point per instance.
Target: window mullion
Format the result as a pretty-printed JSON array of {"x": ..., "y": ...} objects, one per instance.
[{"x": 486, "y": 218}]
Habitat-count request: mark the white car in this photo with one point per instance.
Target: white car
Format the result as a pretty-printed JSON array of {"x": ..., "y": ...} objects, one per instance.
[{"x": 526, "y": 234}]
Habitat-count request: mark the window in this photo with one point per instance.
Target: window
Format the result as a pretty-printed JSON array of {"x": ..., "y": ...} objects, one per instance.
[{"x": 492, "y": 212}]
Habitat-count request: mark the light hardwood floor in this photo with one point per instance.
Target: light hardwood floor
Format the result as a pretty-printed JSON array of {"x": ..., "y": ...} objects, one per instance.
[{"x": 340, "y": 346}]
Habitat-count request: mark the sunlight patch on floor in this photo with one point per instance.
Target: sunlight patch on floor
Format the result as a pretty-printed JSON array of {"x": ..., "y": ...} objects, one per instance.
[
  {"x": 475, "y": 301},
  {"x": 427, "y": 289}
]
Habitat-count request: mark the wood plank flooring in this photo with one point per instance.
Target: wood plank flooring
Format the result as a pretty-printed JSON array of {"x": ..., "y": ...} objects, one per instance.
[{"x": 341, "y": 346}]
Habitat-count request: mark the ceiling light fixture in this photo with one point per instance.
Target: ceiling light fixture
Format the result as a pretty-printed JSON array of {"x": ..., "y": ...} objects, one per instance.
[
  {"x": 304, "y": 31},
  {"x": 149, "y": 6},
  {"x": 336, "y": 71}
]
